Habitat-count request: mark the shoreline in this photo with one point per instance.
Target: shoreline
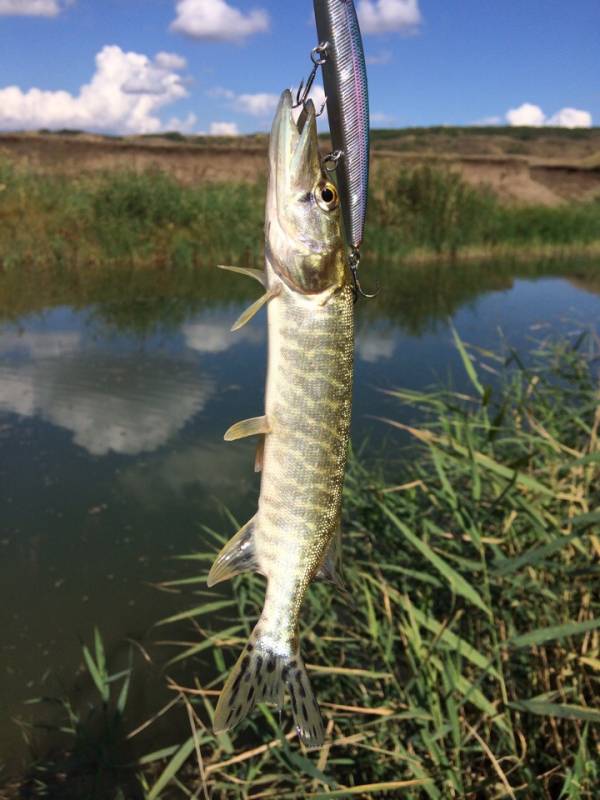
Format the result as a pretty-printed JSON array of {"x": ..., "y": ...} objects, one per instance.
[
  {"x": 422, "y": 257},
  {"x": 480, "y": 254}
]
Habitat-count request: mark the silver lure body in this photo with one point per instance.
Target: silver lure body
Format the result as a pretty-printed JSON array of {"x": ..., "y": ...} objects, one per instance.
[{"x": 346, "y": 88}]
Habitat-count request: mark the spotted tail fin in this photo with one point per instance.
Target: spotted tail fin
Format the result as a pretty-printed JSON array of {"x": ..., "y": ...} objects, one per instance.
[{"x": 262, "y": 675}]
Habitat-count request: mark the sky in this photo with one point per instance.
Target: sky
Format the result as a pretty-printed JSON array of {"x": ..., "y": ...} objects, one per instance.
[{"x": 218, "y": 66}]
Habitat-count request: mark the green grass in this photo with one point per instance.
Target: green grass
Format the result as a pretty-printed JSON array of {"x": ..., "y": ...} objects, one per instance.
[
  {"x": 465, "y": 656},
  {"x": 149, "y": 220},
  {"x": 434, "y": 209},
  {"x": 123, "y": 220},
  {"x": 464, "y": 659}
]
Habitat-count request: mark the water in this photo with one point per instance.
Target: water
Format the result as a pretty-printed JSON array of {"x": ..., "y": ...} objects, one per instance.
[{"x": 112, "y": 412}]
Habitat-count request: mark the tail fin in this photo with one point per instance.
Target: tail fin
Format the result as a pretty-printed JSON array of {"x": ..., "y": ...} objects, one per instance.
[{"x": 263, "y": 675}]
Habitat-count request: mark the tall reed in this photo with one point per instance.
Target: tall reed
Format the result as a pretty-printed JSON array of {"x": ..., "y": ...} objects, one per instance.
[
  {"x": 463, "y": 661},
  {"x": 149, "y": 220}
]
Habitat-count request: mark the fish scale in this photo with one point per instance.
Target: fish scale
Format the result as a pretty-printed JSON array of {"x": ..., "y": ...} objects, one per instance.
[{"x": 293, "y": 537}]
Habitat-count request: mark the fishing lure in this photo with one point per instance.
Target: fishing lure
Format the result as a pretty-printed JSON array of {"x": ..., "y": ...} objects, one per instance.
[{"x": 342, "y": 60}]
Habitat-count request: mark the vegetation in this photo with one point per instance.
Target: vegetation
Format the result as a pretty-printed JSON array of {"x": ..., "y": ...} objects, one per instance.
[
  {"x": 148, "y": 220},
  {"x": 124, "y": 220},
  {"x": 464, "y": 660},
  {"x": 91, "y": 759},
  {"x": 433, "y": 209}
]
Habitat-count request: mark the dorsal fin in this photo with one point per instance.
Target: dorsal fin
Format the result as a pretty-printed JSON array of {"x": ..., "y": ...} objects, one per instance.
[
  {"x": 247, "y": 427},
  {"x": 236, "y": 557}
]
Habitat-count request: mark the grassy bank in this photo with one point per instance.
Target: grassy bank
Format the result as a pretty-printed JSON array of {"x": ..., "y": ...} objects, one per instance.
[
  {"x": 149, "y": 220},
  {"x": 464, "y": 660}
]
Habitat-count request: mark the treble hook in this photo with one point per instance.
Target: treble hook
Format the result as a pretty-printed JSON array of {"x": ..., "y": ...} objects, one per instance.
[
  {"x": 354, "y": 261},
  {"x": 318, "y": 56}
]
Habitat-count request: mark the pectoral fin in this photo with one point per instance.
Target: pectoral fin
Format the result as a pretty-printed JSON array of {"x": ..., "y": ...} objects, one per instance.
[
  {"x": 259, "y": 459},
  {"x": 236, "y": 557},
  {"x": 248, "y": 427},
  {"x": 257, "y": 274},
  {"x": 255, "y": 308}
]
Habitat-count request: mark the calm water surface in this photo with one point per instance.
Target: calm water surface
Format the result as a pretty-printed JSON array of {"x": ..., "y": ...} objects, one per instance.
[{"x": 112, "y": 458}]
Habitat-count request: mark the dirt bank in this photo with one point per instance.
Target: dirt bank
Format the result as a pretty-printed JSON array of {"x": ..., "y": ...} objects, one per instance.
[{"x": 541, "y": 167}]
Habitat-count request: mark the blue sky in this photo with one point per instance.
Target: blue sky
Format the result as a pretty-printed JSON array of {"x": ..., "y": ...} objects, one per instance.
[{"x": 219, "y": 65}]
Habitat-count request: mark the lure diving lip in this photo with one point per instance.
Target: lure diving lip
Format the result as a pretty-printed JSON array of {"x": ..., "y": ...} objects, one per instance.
[{"x": 346, "y": 88}]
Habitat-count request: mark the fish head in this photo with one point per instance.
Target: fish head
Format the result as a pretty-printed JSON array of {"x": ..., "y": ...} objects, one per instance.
[{"x": 304, "y": 241}]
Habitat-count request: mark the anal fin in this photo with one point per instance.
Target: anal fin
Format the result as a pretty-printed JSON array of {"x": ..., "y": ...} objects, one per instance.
[
  {"x": 255, "y": 308},
  {"x": 248, "y": 427},
  {"x": 236, "y": 557}
]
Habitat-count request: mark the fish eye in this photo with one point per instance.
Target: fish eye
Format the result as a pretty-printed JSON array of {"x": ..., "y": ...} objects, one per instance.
[{"x": 327, "y": 196}]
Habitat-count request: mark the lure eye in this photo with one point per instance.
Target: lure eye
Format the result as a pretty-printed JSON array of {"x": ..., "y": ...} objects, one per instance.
[{"x": 327, "y": 196}]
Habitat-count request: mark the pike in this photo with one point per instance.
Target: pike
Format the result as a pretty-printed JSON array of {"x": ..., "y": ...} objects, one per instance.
[{"x": 303, "y": 435}]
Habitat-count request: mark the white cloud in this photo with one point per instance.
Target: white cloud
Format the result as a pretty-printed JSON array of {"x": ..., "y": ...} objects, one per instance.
[
  {"x": 216, "y": 20},
  {"x": 571, "y": 118},
  {"x": 186, "y": 125},
  {"x": 224, "y": 129},
  {"x": 262, "y": 104},
  {"x": 31, "y": 8},
  {"x": 526, "y": 114},
  {"x": 529, "y": 114},
  {"x": 170, "y": 61},
  {"x": 388, "y": 16},
  {"x": 123, "y": 96}
]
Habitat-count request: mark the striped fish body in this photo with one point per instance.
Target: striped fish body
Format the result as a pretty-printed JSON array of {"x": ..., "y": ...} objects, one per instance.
[
  {"x": 308, "y": 404},
  {"x": 292, "y": 539},
  {"x": 346, "y": 88}
]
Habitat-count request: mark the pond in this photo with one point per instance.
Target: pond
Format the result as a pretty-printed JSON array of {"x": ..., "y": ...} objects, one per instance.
[{"x": 113, "y": 403}]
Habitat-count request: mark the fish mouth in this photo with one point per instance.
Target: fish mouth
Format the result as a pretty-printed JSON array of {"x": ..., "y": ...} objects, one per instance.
[{"x": 294, "y": 149}]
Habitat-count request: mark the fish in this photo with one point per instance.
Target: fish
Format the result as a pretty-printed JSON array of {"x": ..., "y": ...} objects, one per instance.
[
  {"x": 303, "y": 435},
  {"x": 346, "y": 88}
]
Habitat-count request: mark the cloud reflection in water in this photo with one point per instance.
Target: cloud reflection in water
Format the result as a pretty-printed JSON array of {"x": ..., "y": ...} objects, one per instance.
[{"x": 127, "y": 403}]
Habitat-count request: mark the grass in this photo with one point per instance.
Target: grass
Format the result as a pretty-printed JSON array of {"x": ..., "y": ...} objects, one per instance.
[
  {"x": 124, "y": 220},
  {"x": 464, "y": 660},
  {"x": 148, "y": 220},
  {"x": 434, "y": 210},
  {"x": 88, "y": 755}
]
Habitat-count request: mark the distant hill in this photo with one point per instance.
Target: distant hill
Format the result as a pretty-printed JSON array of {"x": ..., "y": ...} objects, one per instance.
[{"x": 531, "y": 165}]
